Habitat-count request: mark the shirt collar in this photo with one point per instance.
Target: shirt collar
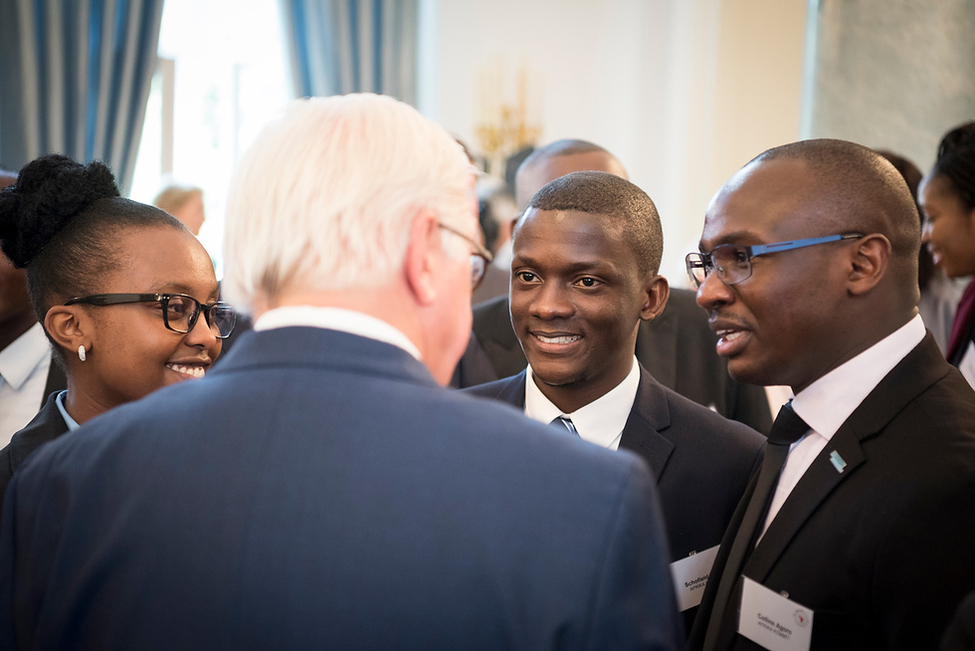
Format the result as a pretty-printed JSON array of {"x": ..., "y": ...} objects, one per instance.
[
  {"x": 828, "y": 402},
  {"x": 20, "y": 358},
  {"x": 601, "y": 421},
  {"x": 334, "y": 318},
  {"x": 68, "y": 420}
]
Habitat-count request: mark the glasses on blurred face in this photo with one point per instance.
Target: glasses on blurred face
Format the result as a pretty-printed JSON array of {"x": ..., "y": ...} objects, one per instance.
[
  {"x": 733, "y": 262},
  {"x": 480, "y": 258},
  {"x": 180, "y": 312}
]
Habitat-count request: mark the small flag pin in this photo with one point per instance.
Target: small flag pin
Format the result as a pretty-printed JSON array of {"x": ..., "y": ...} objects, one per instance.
[{"x": 838, "y": 462}]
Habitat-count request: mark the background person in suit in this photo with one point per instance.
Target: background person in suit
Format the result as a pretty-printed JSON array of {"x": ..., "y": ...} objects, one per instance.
[
  {"x": 27, "y": 376},
  {"x": 584, "y": 270},
  {"x": 677, "y": 347},
  {"x": 334, "y": 495},
  {"x": 862, "y": 508},
  {"x": 65, "y": 224}
]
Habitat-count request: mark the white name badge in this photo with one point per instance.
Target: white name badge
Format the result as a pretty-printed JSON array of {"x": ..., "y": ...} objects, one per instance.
[
  {"x": 691, "y": 575},
  {"x": 769, "y": 619},
  {"x": 967, "y": 364}
]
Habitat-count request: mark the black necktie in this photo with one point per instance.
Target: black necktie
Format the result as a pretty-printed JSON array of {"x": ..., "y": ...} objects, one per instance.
[
  {"x": 564, "y": 423},
  {"x": 786, "y": 430}
]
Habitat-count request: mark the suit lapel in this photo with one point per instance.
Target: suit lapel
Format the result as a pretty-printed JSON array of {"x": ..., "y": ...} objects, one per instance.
[
  {"x": 649, "y": 416},
  {"x": 921, "y": 368}
]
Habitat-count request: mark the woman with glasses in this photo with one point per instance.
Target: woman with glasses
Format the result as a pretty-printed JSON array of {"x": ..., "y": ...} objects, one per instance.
[
  {"x": 947, "y": 198},
  {"x": 125, "y": 293}
]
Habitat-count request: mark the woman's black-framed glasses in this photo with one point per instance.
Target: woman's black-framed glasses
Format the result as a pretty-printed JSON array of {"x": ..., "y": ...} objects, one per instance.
[
  {"x": 480, "y": 257},
  {"x": 180, "y": 312},
  {"x": 733, "y": 262}
]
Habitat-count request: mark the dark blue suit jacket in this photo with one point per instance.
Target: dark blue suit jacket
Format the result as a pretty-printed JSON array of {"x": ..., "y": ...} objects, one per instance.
[
  {"x": 702, "y": 461},
  {"x": 319, "y": 490}
]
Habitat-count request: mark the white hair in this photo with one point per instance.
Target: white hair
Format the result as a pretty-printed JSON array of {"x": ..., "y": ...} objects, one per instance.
[{"x": 326, "y": 196}]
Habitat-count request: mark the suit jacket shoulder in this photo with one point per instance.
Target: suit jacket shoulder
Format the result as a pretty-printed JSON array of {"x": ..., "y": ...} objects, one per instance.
[
  {"x": 335, "y": 485},
  {"x": 46, "y": 426}
]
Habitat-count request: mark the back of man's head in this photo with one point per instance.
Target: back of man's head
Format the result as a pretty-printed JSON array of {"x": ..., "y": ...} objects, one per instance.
[
  {"x": 326, "y": 196},
  {"x": 559, "y": 158},
  {"x": 622, "y": 207}
]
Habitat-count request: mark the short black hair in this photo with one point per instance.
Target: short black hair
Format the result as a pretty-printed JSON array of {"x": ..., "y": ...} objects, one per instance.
[
  {"x": 60, "y": 221},
  {"x": 624, "y": 205},
  {"x": 956, "y": 162}
]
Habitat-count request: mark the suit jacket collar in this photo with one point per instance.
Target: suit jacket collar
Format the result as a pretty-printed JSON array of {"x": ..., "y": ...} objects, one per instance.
[
  {"x": 311, "y": 347},
  {"x": 46, "y": 426},
  {"x": 921, "y": 368}
]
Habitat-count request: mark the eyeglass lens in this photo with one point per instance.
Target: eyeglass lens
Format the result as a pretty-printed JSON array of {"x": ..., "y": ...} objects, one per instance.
[
  {"x": 478, "y": 265},
  {"x": 182, "y": 313},
  {"x": 731, "y": 262}
]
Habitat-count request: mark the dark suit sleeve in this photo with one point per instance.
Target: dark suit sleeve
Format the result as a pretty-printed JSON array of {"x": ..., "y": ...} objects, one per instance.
[
  {"x": 925, "y": 566},
  {"x": 960, "y": 636},
  {"x": 634, "y": 605}
]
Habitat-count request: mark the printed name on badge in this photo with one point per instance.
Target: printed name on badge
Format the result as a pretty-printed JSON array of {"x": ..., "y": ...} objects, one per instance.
[
  {"x": 769, "y": 619},
  {"x": 691, "y": 575}
]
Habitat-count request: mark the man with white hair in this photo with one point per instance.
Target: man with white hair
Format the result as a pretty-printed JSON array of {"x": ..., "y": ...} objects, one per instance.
[{"x": 320, "y": 488}]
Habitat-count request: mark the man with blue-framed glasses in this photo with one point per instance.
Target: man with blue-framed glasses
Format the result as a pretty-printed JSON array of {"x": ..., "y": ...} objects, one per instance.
[{"x": 856, "y": 533}]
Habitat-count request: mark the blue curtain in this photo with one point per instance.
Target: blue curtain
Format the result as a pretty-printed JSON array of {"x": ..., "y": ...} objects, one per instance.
[
  {"x": 74, "y": 79},
  {"x": 346, "y": 46}
]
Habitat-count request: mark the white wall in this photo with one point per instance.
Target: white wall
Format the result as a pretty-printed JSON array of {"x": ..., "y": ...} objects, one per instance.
[{"x": 682, "y": 91}]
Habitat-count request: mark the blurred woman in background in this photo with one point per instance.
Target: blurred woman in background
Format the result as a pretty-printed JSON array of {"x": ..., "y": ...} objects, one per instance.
[{"x": 947, "y": 198}]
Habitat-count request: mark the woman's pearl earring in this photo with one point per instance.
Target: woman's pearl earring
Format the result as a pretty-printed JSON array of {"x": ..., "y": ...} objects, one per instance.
[{"x": 81, "y": 353}]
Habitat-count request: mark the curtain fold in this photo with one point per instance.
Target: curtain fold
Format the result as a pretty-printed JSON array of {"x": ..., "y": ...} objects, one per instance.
[
  {"x": 346, "y": 46},
  {"x": 74, "y": 79}
]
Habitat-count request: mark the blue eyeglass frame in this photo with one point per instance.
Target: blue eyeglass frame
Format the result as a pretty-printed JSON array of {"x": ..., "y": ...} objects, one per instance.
[{"x": 704, "y": 260}]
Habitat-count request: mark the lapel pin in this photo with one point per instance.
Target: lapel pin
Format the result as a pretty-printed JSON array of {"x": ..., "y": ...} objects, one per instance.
[{"x": 838, "y": 462}]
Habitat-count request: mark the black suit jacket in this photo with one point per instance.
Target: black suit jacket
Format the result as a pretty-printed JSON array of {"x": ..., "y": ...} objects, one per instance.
[
  {"x": 702, "y": 461},
  {"x": 884, "y": 551},
  {"x": 46, "y": 426},
  {"x": 677, "y": 348},
  {"x": 320, "y": 490}
]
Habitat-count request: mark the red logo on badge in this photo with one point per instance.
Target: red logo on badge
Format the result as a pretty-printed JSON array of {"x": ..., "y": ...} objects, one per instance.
[{"x": 801, "y": 618}]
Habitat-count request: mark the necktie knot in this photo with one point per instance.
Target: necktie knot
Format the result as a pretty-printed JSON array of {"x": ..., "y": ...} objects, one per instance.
[
  {"x": 788, "y": 426},
  {"x": 564, "y": 423}
]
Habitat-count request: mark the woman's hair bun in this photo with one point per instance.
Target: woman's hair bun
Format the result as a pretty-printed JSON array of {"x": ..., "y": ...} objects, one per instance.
[
  {"x": 961, "y": 137},
  {"x": 50, "y": 190}
]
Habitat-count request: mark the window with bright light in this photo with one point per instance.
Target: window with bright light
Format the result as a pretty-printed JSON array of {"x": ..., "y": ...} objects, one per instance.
[{"x": 223, "y": 74}]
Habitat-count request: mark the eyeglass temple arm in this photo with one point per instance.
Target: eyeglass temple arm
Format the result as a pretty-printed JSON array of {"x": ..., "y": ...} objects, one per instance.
[{"x": 759, "y": 249}]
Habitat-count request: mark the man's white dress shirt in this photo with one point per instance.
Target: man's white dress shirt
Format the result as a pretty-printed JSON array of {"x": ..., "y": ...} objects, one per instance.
[
  {"x": 24, "y": 366},
  {"x": 601, "y": 421}
]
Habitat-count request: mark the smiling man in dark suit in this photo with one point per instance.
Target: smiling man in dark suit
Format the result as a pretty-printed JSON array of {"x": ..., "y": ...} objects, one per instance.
[
  {"x": 677, "y": 347},
  {"x": 320, "y": 488},
  {"x": 584, "y": 270},
  {"x": 858, "y": 531}
]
